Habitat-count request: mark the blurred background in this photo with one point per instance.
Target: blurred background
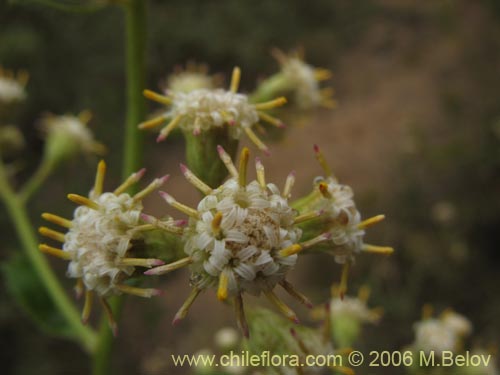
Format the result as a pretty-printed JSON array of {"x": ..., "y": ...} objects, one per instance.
[{"x": 416, "y": 135}]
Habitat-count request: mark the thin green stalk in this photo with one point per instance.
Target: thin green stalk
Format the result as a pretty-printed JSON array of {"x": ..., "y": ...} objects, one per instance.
[
  {"x": 132, "y": 152},
  {"x": 36, "y": 180},
  {"x": 19, "y": 216},
  {"x": 135, "y": 50}
]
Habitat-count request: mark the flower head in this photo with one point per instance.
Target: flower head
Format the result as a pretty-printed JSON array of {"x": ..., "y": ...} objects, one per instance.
[
  {"x": 98, "y": 241},
  {"x": 341, "y": 218},
  {"x": 344, "y": 317},
  {"x": 304, "y": 80},
  {"x": 68, "y": 135},
  {"x": 200, "y": 110},
  {"x": 11, "y": 140},
  {"x": 441, "y": 334},
  {"x": 193, "y": 77},
  {"x": 242, "y": 237},
  {"x": 12, "y": 87}
]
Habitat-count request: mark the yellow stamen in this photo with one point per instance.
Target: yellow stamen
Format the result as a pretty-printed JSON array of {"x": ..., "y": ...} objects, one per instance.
[
  {"x": 109, "y": 315},
  {"x": 52, "y": 234},
  {"x": 296, "y": 294},
  {"x": 85, "y": 117},
  {"x": 216, "y": 222},
  {"x": 364, "y": 293},
  {"x": 55, "y": 252},
  {"x": 222, "y": 289},
  {"x": 278, "y": 102},
  {"x": 384, "y": 250},
  {"x": 376, "y": 313},
  {"x": 290, "y": 250},
  {"x": 242, "y": 171},
  {"x": 427, "y": 311},
  {"x": 87, "y": 307},
  {"x": 307, "y": 216},
  {"x": 181, "y": 314},
  {"x": 235, "y": 79},
  {"x": 343, "y": 280},
  {"x": 157, "y": 97},
  {"x": 168, "y": 226},
  {"x": 240, "y": 315},
  {"x": 270, "y": 119},
  {"x": 195, "y": 181},
  {"x": 153, "y": 123},
  {"x": 322, "y": 161},
  {"x": 164, "y": 133},
  {"x": 132, "y": 179},
  {"x": 287, "y": 190},
  {"x": 141, "y": 262},
  {"x": 140, "y": 292},
  {"x": 157, "y": 182},
  {"x": 323, "y": 189},
  {"x": 169, "y": 267},
  {"x": 99, "y": 178},
  {"x": 23, "y": 77},
  {"x": 256, "y": 140},
  {"x": 179, "y": 206},
  {"x": 83, "y": 201},
  {"x": 226, "y": 159},
  {"x": 65, "y": 223},
  {"x": 285, "y": 310},
  {"x": 371, "y": 221},
  {"x": 316, "y": 240},
  {"x": 98, "y": 148},
  {"x": 322, "y": 74},
  {"x": 261, "y": 174}
]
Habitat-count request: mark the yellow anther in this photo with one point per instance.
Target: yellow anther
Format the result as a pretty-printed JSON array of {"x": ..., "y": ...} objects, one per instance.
[
  {"x": 235, "y": 79},
  {"x": 52, "y": 234},
  {"x": 242, "y": 171},
  {"x": 157, "y": 97},
  {"x": 278, "y": 102},
  {"x": 65, "y": 223},
  {"x": 371, "y": 221},
  {"x": 83, "y": 201},
  {"x": 384, "y": 250},
  {"x": 55, "y": 252},
  {"x": 99, "y": 178}
]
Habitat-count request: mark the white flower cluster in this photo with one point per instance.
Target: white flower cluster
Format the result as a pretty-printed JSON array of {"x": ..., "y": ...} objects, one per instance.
[
  {"x": 11, "y": 90},
  {"x": 302, "y": 80},
  {"x": 204, "y": 109},
  {"x": 354, "y": 308},
  {"x": 256, "y": 224},
  {"x": 443, "y": 334},
  {"x": 344, "y": 219},
  {"x": 99, "y": 239},
  {"x": 187, "y": 81},
  {"x": 71, "y": 129}
]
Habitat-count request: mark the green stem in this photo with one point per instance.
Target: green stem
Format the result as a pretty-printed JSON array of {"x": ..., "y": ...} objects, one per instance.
[
  {"x": 135, "y": 45},
  {"x": 19, "y": 216},
  {"x": 132, "y": 152},
  {"x": 269, "y": 88},
  {"x": 36, "y": 180}
]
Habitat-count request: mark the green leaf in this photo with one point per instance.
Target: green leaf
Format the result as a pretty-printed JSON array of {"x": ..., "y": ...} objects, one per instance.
[{"x": 26, "y": 288}]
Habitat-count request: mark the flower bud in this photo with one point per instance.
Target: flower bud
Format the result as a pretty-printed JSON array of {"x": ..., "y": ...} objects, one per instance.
[
  {"x": 67, "y": 136},
  {"x": 11, "y": 140}
]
